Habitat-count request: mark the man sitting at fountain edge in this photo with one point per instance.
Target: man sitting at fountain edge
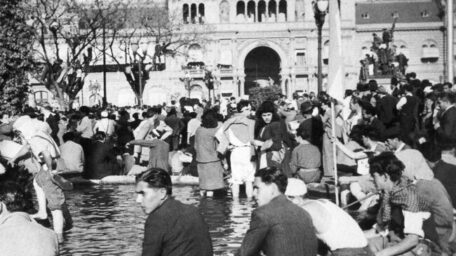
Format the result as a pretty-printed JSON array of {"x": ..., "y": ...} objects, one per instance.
[
  {"x": 333, "y": 226},
  {"x": 172, "y": 228},
  {"x": 20, "y": 235},
  {"x": 278, "y": 227}
]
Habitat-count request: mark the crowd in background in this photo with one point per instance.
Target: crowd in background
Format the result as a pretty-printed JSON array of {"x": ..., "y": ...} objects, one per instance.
[{"x": 408, "y": 128}]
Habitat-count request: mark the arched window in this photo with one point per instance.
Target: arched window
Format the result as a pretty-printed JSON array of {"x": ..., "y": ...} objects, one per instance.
[
  {"x": 430, "y": 52},
  {"x": 195, "y": 53},
  {"x": 261, "y": 11},
  {"x": 193, "y": 13},
  {"x": 300, "y": 10},
  {"x": 282, "y": 16},
  {"x": 404, "y": 50},
  {"x": 272, "y": 7},
  {"x": 201, "y": 13},
  {"x": 224, "y": 11},
  {"x": 251, "y": 11},
  {"x": 240, "y": 8},
  {"x": 185, "y": 13}
]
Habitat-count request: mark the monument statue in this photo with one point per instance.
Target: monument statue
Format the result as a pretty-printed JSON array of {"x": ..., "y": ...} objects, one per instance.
[{"x": 383, "y": 60}]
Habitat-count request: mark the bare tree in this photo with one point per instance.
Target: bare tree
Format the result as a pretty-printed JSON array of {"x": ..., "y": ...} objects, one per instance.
[
  {"x": 151, "y": 23},
  {"x": 67, "y": 31}
]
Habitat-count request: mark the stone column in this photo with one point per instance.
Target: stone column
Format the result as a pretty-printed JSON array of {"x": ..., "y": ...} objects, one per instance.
[
  {"x": 256, "y": 11},
  {"x": 241, "y": 79},
  {"x": 283, "y": 77},
  {"x": 292, "y": 82},
  {"x": 266, "y": 14},
  {"x": 277, "y": 9},
  {"x": 246, "y": 14}
]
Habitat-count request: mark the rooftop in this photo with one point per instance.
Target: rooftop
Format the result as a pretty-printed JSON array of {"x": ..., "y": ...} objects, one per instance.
[{"x": 405, "y": 11}]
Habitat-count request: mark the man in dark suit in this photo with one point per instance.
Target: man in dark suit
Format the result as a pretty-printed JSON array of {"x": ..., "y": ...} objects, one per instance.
[
  {"x": 278, "y": 227},
  {"x": 172, "y": 228},
  {"x": 386, "y": 107},
  {"x": 445, "y": 172},
  {"x": 446, "y": 127}
]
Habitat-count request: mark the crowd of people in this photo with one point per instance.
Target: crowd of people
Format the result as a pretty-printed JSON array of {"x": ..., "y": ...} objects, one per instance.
[{"x": 395, "y": 155}]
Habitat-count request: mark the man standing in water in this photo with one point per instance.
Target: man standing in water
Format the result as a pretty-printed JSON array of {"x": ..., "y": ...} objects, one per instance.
[
  {"x": 172, "y": 228},
  {"x": 278, "y": 227},
  {"x": 237, "y": 133}
]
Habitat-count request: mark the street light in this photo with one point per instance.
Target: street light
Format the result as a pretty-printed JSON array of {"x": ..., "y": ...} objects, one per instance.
[
  {"x": 320, "y": 8},
  {"x": 135, "y": 47}
]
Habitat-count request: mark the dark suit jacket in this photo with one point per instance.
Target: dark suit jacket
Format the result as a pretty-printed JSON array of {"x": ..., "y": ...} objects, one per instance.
[
  {"x": 446, "y": 173},
  {"x": 280, "y": 228},
  {"x": 176, "y": 229},
  {"x": 446, "y": 133},
  {"x": 386, "y": 109},
  {"x": 101, "y": 161}
]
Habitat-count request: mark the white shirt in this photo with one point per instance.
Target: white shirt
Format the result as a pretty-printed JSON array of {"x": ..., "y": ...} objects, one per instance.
[
  {"x": 105, "y": 125},
  {"x": 73, "y": 156},
  {"x": 85, "y": 127},
  {"x": 339, "y": 230}
]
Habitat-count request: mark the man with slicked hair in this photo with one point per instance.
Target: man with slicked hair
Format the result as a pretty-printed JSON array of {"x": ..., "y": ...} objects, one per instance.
[
  {"x": 172, "y": 228},
  {"x": 278, "y": 227}
]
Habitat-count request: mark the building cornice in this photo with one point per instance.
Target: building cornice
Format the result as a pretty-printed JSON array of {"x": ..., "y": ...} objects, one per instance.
[{"x": 400, "y": 27}]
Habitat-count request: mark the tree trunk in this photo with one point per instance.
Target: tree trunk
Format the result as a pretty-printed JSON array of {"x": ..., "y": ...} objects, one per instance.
[{"x": 60, "y": 96}]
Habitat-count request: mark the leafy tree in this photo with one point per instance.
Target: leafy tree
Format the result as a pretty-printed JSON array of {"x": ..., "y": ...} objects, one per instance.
[
  {"x": 259, "y": 94},
  {"x": 16, "y": 38}
]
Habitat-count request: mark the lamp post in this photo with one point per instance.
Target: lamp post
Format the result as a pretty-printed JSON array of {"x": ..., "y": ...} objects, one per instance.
[
  {"x": 105, "y": 98},
  {"x": 136, "y": 47},
  {"x": 320, "y": 8}
]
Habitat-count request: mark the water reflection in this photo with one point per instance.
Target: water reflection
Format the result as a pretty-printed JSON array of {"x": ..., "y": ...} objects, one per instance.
[{"x": 107, "y": 220}]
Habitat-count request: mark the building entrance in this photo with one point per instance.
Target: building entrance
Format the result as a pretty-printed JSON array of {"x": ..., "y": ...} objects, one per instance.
[{"x": 262, "y": 67}]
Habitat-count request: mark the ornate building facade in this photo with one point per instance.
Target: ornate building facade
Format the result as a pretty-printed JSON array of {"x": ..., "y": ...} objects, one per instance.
[{"x": 255, "y": 42}]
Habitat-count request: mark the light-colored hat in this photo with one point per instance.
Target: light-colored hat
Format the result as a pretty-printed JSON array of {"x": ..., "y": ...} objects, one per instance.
[
  {"x": 104, "y": 114},
  {"x": 428, "y": 89},
  {"x": 296, "y": 187}
]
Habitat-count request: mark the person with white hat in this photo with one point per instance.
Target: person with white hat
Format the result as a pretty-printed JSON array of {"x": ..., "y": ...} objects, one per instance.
[
  {"x": 105, "y": 124},
  {"x": 333, "y": 226}
]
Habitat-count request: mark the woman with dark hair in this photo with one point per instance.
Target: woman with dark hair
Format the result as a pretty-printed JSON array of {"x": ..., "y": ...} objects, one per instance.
[
  {"x": 101, "y": 160},
  {"x": 305, "y": 160},
  {"x": 269, "y": 136},
  {"x": 210, "y": 169}
]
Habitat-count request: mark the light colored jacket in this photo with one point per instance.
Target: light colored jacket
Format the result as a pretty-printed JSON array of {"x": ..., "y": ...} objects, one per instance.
[
  {"x": 239, "y": 126},
  {"x": 20, "y": 235}
]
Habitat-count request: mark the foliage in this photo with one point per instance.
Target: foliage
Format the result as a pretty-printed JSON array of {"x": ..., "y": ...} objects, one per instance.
[
  {"x": 260, "y": 94},
  {"x": 15, "y": 55}
]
